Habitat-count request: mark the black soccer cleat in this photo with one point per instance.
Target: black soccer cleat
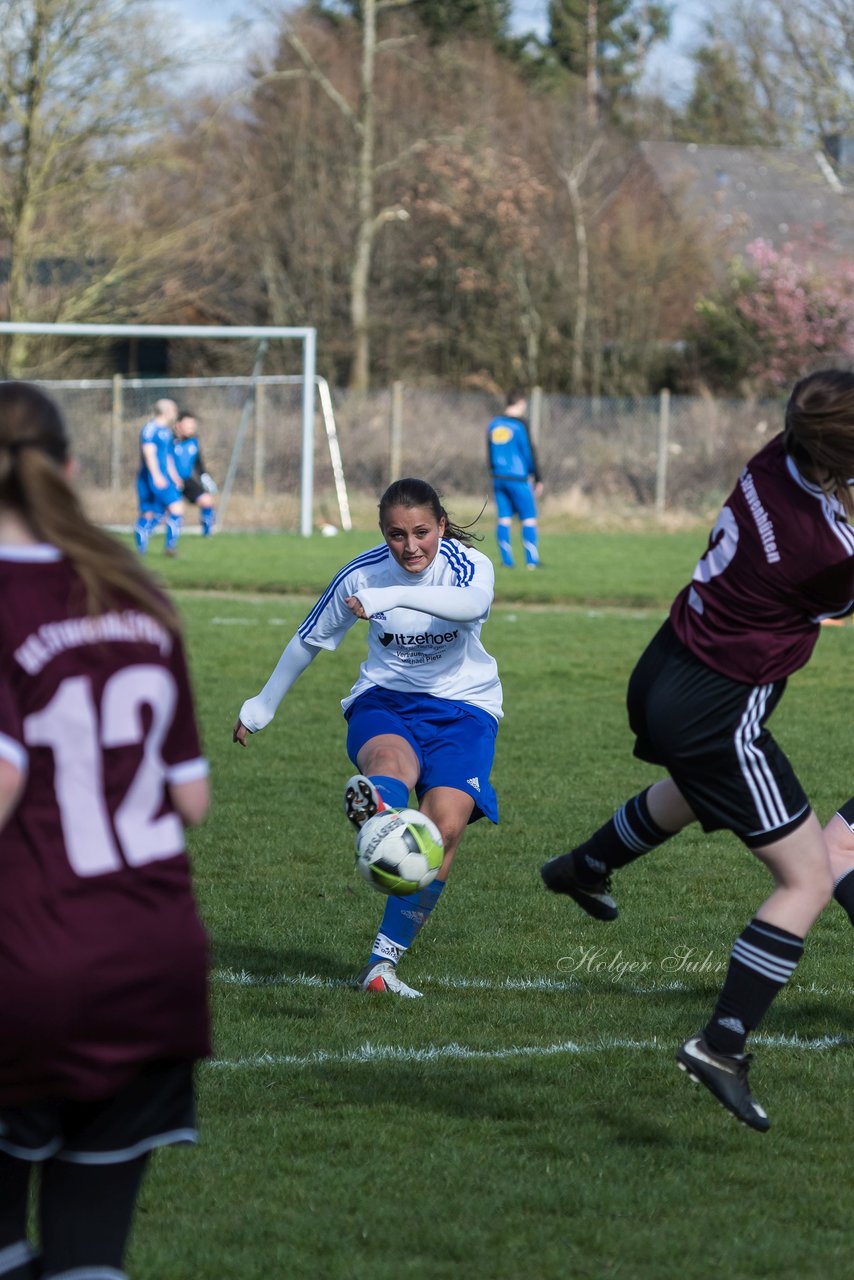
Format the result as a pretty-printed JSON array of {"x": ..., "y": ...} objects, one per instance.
[
  {"x": 594, "y": 897},
  {"x": 725, "y": 1077},
  {"x": 361, "y": 800}
]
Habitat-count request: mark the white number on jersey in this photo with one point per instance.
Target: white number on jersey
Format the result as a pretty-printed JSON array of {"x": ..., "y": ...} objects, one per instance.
[
  {"x": 723, "y": 541},
  {"x": 69, "y": 726}
]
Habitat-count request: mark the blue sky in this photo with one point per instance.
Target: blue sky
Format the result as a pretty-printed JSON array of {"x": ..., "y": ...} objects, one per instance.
[{"x": 227, "y": 27}]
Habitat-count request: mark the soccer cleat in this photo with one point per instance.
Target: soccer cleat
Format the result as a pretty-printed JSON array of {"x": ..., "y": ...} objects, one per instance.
[
  {"x": 559, "y": 875},
  {"x": 381, "y": 979},
  {"x": 725, "y": 1077},
  {"x": 361, "y": 800}
]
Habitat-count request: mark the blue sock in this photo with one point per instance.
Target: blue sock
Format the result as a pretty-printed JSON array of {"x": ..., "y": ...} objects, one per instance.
[
  {"x": 394, "y": 792},
  {"x": 403, "y": 919},
  {"x": 174, "y": 525},
  {"x": 504, "y": 534},
  {"x": 143, "y": 530},
  {"x": 530, "y": 543},
  {"x": 207, "y": 516}
]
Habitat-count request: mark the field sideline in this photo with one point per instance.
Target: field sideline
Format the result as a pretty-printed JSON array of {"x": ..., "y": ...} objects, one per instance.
[{"x": 526, "y": 1119}]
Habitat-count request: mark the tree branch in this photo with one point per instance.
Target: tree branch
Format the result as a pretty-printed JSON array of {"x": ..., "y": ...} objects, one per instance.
[{"x": 323, "y": 81}]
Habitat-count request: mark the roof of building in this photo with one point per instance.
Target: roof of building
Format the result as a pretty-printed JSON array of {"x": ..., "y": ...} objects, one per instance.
[{"x": 778, "y": 194}]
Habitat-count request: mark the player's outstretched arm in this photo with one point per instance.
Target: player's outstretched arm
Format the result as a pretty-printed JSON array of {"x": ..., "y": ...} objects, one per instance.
[
  {"x": 256, "y": 713},
  {"x": 456, "y": 604}
]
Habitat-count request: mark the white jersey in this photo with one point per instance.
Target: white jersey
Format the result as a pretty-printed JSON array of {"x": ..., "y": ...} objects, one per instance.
[{"x": 423, "y": 630}]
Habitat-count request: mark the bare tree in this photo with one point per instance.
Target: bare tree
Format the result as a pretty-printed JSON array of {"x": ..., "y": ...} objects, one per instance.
[
  {"x": 78, "y": 96},
  {"x": 573, "y": 177},
  {"x": 797, "y": 59},
  {"x": 362, "y": 121}
]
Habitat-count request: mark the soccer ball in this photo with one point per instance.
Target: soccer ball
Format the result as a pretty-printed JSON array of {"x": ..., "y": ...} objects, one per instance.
[{"x": 399, "y": 851}]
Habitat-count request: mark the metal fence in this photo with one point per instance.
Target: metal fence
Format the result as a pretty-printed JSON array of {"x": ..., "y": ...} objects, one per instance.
[{"x": 658, "y": 453}]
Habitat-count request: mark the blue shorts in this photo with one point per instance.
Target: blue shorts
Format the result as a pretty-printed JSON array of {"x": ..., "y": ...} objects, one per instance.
[
  {"x": 514, "y": 496},
  {"x": 152, "y": 499},
  {"x": 453, "y": 741}
]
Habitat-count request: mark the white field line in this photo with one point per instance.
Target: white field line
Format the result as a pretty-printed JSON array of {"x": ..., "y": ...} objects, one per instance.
[
  {"x": 247, "y": 622},
  {"x": 241, "y": 978},
  {"x": 232, "y": 978},
  {"x": 371, "y": 1053},
  {"x": 378, "y": 1053},
  {"x": 506, "y": 613}
]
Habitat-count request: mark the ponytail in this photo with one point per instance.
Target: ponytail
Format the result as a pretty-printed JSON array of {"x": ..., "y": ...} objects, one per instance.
[
  {"x": 34, "y": 450},
  {"x": 819, "y": 432}
]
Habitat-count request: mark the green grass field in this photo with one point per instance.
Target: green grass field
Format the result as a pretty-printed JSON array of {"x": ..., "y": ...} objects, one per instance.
[{"x": 526, "y": 1119}]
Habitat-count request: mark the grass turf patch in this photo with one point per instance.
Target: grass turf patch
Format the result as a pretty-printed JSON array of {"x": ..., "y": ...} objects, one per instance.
[{"x": 526, "y": 1118}]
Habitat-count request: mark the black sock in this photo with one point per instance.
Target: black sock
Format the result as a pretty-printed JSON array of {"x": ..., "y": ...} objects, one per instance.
[
  {"x": 763, "y": 959},
  {"x": 629, "y": 834},
  {"x": 843, "y": 892},
  {"x": 17, "y": 1259},
  {"x": 86, "y": 1211}
]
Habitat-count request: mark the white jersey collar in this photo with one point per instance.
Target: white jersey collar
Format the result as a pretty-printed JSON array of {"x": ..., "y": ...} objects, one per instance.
[
  {"x": 816, "y": 490},
  {"x": 32, "y": 553}
]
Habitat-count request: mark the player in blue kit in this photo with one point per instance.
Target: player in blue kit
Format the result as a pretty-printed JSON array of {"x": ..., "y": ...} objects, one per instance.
[
  {"x": 423, "y": 713},
  {"x": 516, "y": 482},
  {"x": 780, "y": 559},
  {"x": 198, "y": 485},
  {"x": 158, "y": 484}
]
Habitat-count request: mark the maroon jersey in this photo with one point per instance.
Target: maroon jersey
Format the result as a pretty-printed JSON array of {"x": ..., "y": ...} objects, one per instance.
[
  {"x": 780, "y": 558},
  {"x": 103, "y": 958}
]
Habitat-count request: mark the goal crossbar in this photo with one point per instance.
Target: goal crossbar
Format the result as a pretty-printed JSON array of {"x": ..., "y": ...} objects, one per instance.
[{"x": 260, "y": 333}]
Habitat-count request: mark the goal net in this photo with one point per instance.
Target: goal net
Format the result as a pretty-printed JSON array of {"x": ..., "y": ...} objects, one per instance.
[{"x": 257, "y": 431}]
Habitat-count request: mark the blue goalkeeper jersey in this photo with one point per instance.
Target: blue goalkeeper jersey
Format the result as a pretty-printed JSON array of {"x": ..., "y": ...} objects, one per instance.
[
  {"x": 511, "y": 456},
  {"x": 187, "y": 456}
]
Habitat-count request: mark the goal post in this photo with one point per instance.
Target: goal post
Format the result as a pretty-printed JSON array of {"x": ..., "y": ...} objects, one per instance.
[{"x": 260, "y": 333}]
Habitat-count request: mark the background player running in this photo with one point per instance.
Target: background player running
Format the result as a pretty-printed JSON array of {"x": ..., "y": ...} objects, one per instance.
[
  {"x": 103, "y": 959},
  {"x": 199, "y": 487},
  {"x": 423, "y": 713},
  {"x": 780, "y": 559},
  {"x": 516, "y": 482}
]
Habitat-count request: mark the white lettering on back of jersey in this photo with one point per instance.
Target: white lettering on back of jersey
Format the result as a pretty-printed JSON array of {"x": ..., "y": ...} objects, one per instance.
[
  {"x": 53, "y": 638},
  {"x": 760, "y": 516}
]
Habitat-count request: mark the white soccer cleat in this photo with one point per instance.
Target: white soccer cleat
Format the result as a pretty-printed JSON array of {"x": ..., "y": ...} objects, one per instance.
[
  {"x": 361, "y": 800},
  {"x": 381, "y": 979}
]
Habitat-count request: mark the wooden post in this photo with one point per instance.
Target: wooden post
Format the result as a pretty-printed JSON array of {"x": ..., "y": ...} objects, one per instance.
[
  {"x": 395, "y": 449},
  {"x": 536, "y": 415},
  {"x": 259, "y": 460},
  {"x": 662, "y": 446},
  {"x": 116, "y": 415}
]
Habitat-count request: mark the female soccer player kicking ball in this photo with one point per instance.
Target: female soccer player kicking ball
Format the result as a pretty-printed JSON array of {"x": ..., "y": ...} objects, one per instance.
[
  {"x": 780, "y": 558},
  {"x": 103, "y": 959},
  {"x": 424, "y": 711}
]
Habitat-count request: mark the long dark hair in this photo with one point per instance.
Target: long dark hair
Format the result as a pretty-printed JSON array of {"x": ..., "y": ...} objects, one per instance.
[
  {"x": 410, "y": 492},
  {"x": 34, "y": 448},
  {"x": 819, "y": 431}
]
